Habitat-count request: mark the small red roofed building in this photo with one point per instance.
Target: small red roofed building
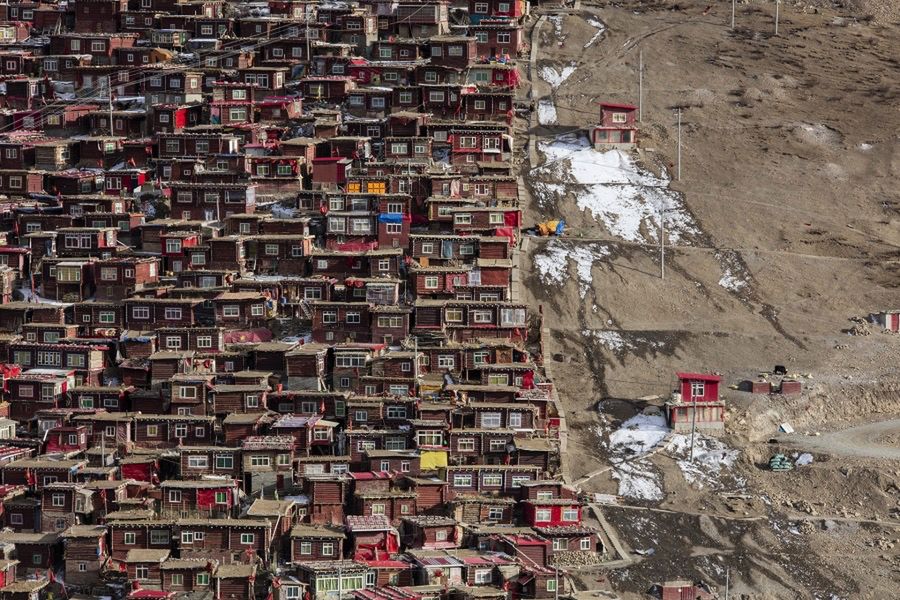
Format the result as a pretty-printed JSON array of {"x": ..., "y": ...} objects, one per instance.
[
  {"x": 371, "y": 537},
  {"x": 617, "y": 128},
  {"x": 696, "y": 404}
]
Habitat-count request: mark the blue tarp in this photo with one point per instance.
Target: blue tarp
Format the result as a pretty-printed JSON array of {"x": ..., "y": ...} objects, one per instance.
[{"x": 390, "y": 218}]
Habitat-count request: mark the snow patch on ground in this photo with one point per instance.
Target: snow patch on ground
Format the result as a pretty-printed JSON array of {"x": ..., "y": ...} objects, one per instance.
[
  {"x": 638, "y": 435},
  {"x": 730, "y": 282},
  {"x": 547, "y": 112},
  {"x": 547, "y": 193},
  {"x": 595, "y": 22},
  {"x": 620, "y": 342},
  {"x": 553, "y": 263},
  {"x": 638, "y": 480},
  {"x": 711, "y": 459},
  {"x": 734, "y": 278},
  {"x": 629, "y": 445},
  {"x": 623, "y": 197},
  {"x": 865, "y": 147},
  {"x": 557, "y": 21},
  {"x": 556, "y": 78}
]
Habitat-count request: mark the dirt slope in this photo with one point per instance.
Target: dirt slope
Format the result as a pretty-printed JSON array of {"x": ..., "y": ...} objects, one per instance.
[{"x": 789, "y": 158}]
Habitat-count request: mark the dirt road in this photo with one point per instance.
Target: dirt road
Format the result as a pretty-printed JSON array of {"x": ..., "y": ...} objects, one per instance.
[{"x": 861, "y": 441}]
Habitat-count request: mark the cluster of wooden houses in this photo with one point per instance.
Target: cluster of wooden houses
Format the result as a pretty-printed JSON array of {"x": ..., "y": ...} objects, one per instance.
[{"x": 258, "y": 334}]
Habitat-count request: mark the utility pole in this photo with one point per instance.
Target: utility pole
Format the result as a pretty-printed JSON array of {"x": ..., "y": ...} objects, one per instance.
[
  {"x": 109, "y": 93},
  {"x": 641, "y": 86},
  {"x": 777, "y": 6},
  {"x": 732, "y": 14},
  {"x": 662, "y": 243},
  {"x": 678, "y": 174},
  {"x": 727, "y": 578},
  {"x": 693, "y": 423}
]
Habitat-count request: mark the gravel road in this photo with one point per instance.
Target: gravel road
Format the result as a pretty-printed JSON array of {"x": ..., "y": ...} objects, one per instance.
[{"x": 861, "y": 441}]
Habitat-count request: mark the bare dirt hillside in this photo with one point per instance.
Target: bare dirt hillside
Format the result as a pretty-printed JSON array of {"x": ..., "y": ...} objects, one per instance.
[{"x": 784, "y": 226}]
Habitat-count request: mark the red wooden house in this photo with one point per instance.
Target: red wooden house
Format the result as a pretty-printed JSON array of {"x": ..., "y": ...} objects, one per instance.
[
  {"x": 697, "y": 404},
  {"x": 551, "y": 512},
  {"x": 617, "y": 128}
]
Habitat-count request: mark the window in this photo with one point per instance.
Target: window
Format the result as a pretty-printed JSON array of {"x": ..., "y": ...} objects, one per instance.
[
  {"x": 97, "y": 46},
  {"x": 248, "y": 538},
  {"x": 353, "y": 317},
  {"x": 394, "y": 228},
  {"x": 465, "y": 444},
  {"x": 698, "y": 389},
  {"x": 404, "y": 468},
  {"x": 181, "y": 430},
  {"x": 159, "y": 537},
  {"x": 543, "y": 515},
  {"x": 347, "y": 360},
  {"x": 514, "y": 420},
  {"x": 490, "y": 420},
  {"x": 435, "y": 96},
  {"x": 174, "y": 496},
  {"x": 482, "y": 576},
  {"x": 231, "y": 311},
  {"x": 49, "y": 359},
  {"x": 224, "y": 461},
  {"x": 260, "y": 460},
  {"x": 492, "y": 480},
  {"x": 140, "y": 312},
  {"x": 446, "y": 361},
  {"x": 430, "y": 438},
  {"x": 176, "y": 579},
  {"x": 498, "y": 379},
  {"x": 283, "y": 459},
  {"x": 152, "y": 430},
  {"x": 328, "y": 549},
  {"x": 75, "y": 361},
  {"x": 551, "y": 585},
  {"x": 481, "y": 8},
  {"x": 495, "y": 513},
  {"x": 495, "y": 218},
  {"x": 431, "y": 282},
  {"x": 453, "y": 315},
  {"x": 173, "y": 314},
  {"x": 221, "y": 497},
  {"x": 198, "y": 462},
  {"x": 405, "y": 98},
  {"x": 570, "y": 514},
  {"x": 130, "y": 538},
  {"x": 365, "y": 445},
  {"x": 257, "y": 310},
  {"x": 305, "y": 548},
  {"x": 202, "y": 579},
  {"x": 58, "y": 499},
  {"x": 584, "y": 543},
  {"x": 396, "y": 412},
  {"x": 15, "y": 518},
  {"x": 462, "y": 480}
]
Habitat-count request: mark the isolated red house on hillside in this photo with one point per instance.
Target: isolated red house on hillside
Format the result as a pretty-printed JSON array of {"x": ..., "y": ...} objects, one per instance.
[
  {"x": 617, "y": 128},
  {"x": 697, "y": 404}
]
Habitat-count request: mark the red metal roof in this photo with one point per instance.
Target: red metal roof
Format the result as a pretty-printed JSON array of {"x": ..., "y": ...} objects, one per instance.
[
  {"x": 387, "y": 564},
  {"x": 615, "y": 105},
  {"x": 369, "y": 475},
  {"x": 698, "y": 377}
]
